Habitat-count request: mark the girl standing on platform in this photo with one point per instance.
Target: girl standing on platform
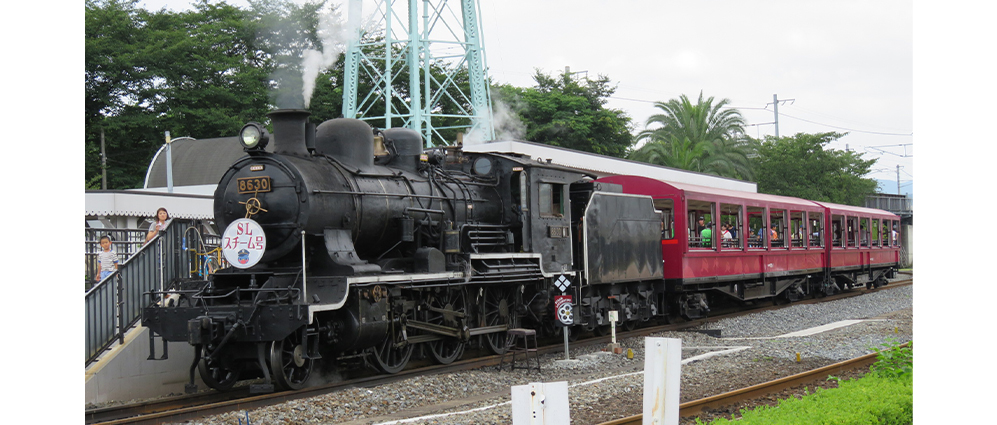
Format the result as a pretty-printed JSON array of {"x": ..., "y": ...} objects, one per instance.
[{"x": 158, "y": 225}]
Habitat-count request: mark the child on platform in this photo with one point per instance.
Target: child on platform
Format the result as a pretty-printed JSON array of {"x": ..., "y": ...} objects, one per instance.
[{"x": 107, "y": 260}]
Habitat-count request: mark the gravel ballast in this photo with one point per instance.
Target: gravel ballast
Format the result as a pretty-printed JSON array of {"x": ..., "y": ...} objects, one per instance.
[{"x": 604, "y": 386}]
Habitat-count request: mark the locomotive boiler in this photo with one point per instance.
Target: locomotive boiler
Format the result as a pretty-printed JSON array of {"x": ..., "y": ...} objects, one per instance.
[{"x": 378, "y": 250}]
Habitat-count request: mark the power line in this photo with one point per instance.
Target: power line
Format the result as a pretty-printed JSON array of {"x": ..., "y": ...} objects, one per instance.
[
  {"x": 657, "y": 101},
  {"x": 850, "y": 129},
  {"x": 783, "y": 114}
]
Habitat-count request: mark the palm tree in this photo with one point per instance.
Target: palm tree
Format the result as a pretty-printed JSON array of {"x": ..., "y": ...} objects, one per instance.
[
  {"x": 704, "y": 137},
  {"x": 683, "y": 154}
]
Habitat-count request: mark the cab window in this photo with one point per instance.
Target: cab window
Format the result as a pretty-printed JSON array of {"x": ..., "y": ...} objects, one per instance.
[{"x": 551, "y": 200}]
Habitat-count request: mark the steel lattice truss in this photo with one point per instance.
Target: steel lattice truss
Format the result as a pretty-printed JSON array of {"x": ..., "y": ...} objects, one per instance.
[{"x": 434, "y": 46}]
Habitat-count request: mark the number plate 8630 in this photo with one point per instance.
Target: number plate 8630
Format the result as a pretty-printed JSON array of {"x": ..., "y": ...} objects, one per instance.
[{"x": 253, "y": 184}]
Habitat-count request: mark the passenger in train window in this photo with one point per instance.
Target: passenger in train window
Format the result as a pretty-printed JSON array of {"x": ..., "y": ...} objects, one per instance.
[
  {"x": 707, "y": 236},
  {"x": 725, "y": 235},
  {"x": 700, "y": 225}
]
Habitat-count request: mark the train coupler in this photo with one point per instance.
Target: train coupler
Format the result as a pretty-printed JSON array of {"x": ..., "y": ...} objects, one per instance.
[{"x": 152, "y": 347}]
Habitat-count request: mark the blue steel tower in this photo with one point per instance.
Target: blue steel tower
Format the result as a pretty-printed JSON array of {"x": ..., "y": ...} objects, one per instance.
[{"x": 415, "y": 41}]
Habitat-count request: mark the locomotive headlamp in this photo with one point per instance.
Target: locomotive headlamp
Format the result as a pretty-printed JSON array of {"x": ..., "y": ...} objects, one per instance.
[{"x": 254, "y": 137}]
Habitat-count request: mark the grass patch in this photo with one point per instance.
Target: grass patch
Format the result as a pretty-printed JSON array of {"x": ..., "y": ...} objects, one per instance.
[{"x": 884, "y": 396}]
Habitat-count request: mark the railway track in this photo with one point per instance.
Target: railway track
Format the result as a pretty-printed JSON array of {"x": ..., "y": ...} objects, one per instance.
[
  {"x": 181, "y": 408},
  {"x": 697, "y": 407}
]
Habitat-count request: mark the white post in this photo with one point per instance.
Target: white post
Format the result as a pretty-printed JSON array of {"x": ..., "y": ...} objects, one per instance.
[
  {"x": 541, "y": 403},
  {"x": 565, "y": 331},
  {"x": 662, "y": 379},
  {"x": 614, "y": 317},
  {"x": 169, "y": 164}
]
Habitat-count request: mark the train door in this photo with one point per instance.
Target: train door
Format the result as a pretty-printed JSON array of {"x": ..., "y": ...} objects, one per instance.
[
  {"x": 865, "y": 232},
  {"x": 852, "y": 230},
  {"x": 797, "y": 229},
  {"x": 671, "y": 249},
  {"x": 551, "y": 217},
  {"x": 777, "y": 228},
  {"x": 816, "y": 229},
  {"x": 838, "y": 231},
  {"x": 877, "y": 233},
  {"x": 756, "y": 233},
  {"x": 520, "y": 197},
  {"x": 667, "y": 208}
]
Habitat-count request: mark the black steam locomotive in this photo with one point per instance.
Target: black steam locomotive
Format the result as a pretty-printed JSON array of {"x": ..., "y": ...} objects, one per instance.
[{"x": 378, "y": 250}]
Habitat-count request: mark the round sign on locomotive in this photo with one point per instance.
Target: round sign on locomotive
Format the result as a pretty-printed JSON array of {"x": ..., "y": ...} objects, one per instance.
[{"x": 243, "y": 243}]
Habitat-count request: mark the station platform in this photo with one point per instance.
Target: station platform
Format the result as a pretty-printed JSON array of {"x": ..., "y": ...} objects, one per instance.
[{"x": 124, "y": 372}]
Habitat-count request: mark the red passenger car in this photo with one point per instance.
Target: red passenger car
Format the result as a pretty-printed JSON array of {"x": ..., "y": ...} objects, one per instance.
[
  {"x": 751, "y": 246},
  {"x": 864, "y": 245}
]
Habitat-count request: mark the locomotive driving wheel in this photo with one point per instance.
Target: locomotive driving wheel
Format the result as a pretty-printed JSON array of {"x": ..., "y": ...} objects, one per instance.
[
  {"x": 496, "y": 310},
  {"x": 289, "y": 362},
  {"x": 219, "y": 372},
  {"x": 394, "y": 352},
  {"x": 448, "y": 308}
]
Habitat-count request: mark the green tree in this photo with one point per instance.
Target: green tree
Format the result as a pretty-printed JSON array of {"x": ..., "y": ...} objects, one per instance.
[
  {"x": 568, "y": 112},
  {"x": 115, "y": 73},
  {"x": 706, "y": 137},
  {"x": 202, "y": 73},
  {"x": 802, "y": 167}
]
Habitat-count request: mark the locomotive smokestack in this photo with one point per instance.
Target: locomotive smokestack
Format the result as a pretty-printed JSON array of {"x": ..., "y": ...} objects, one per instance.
[{"x": 290, "y": 131}]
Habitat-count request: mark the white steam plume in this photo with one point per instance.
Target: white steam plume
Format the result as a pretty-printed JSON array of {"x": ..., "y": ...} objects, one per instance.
[
  {"x": 334, "y": 36},
  {"x": 506, "y": 123}
]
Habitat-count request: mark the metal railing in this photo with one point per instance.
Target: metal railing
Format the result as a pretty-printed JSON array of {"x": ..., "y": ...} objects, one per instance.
[
  {"x": 114, "y": 305},
  {"x": 896, "y": 204},
  {"x": 125, "y": 243}
]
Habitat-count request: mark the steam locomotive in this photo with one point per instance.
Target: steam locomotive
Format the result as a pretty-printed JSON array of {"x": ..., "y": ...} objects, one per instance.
[
  {"x": 370, "y": 250},
  {"x": 377, "y": 249}
]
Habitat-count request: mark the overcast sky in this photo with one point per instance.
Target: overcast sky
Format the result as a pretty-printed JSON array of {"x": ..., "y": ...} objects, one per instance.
[{"x": 841, "y": 65}]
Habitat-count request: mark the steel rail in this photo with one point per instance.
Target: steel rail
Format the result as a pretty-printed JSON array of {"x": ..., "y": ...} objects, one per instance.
[{"x": 696, "y": 407}]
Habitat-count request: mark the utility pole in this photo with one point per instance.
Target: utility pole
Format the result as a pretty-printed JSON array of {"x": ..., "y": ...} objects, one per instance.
[
  {"x": 103, "y": 162},
  {"x": 775, "y": 107},
  {"x": 898, "y": 179},
  {"x": 169, "y": 164}
]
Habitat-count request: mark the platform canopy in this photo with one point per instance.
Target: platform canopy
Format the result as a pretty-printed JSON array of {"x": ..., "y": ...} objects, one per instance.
[
  {"x": 196, "y": 162},
  {"x": 602, "y": 165}
]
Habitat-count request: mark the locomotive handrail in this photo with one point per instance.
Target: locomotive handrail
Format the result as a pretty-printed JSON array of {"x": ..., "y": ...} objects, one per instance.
[{"x": 115, "y": 304}]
